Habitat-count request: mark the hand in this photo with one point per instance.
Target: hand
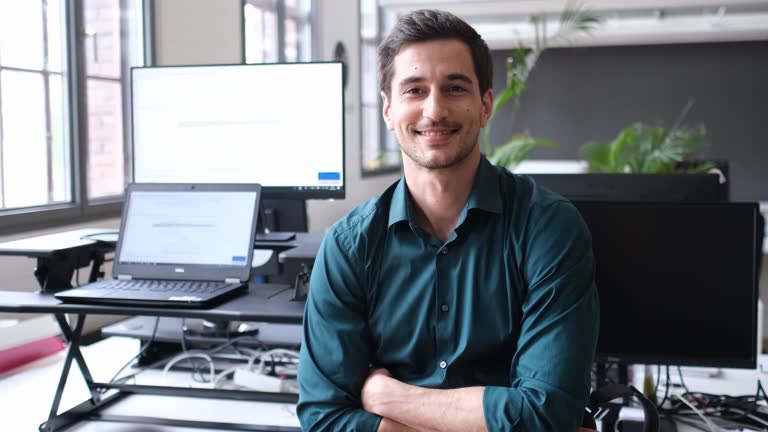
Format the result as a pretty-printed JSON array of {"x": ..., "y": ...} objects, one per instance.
[{"x": 376, "y": 387}]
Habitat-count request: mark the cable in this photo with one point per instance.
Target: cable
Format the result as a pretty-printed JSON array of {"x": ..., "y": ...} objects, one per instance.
[
  {"x": 682, "y": 383},
  {"x": 189, "y": 355},
  {"x": 221, "y": 375},
  {"x": 151, "y": 340},
  {"x": 712, "y": 427},
  {"x": 666, "y": 389}
]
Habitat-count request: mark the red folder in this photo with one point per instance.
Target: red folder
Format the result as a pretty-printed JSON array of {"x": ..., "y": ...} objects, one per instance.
[{"x": 20, "y": 355}]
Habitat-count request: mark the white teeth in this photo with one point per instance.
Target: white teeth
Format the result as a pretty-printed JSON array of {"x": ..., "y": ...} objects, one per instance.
[{"x": 434, "y": 133}]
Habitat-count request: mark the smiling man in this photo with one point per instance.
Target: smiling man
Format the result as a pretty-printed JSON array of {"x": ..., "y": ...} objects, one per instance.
[{"x": 462, "y": 298}]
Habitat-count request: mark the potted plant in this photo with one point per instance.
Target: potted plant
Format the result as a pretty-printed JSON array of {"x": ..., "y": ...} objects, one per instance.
[
  {"x": 644, "y": 162},
  {"x": 574, "y": 19}
]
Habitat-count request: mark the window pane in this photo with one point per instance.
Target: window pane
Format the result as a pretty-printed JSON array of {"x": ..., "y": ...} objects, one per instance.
[
  {"x": 106, "y": 165},
  {"x": 291, "y": 41},
  {"x": 21, "y": 33},
  {"x": 24, "y": 155},
  {"x": 102, "y": 38},
  {"x": 370, "y": 135},
  {"x": 61, "y": 177},
  {"x": 55, "y": 23},
  {"x": 260, "y": 35}
]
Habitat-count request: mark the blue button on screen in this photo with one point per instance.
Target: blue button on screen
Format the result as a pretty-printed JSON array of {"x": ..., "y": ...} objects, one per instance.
[{"x": 329, "y": 176}]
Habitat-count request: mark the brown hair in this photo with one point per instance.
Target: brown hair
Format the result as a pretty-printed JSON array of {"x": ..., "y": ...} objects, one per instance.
[{"x": 426, "y": 25}]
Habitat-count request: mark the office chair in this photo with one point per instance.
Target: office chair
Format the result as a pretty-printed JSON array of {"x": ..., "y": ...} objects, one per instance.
[{"x": 610, "y": 392}]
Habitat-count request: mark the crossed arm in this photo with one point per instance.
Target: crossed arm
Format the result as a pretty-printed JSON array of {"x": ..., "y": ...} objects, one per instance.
[{"x": 406, "y": 408}]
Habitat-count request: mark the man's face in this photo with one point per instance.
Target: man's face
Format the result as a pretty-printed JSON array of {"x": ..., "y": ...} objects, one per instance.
[{"x": 436, "y": 108}]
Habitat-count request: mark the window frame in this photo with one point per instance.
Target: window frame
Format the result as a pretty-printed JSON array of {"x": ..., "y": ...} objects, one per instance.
[
  {"x": 383, "y": 134},
  {"x": 282, "y": 13},
  {"x": 80, "y": 208}
]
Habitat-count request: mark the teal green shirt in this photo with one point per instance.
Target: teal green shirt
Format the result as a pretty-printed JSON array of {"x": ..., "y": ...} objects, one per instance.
[{"x": 508, "y": 302}]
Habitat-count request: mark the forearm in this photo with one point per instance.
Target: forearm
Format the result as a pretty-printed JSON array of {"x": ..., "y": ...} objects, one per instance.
[
  {"x": 389, "y": 425},
  {"x": 432, "y": 410}
]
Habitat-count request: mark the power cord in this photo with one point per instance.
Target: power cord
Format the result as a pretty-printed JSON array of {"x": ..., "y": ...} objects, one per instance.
[{"x": 151, "y": 340}]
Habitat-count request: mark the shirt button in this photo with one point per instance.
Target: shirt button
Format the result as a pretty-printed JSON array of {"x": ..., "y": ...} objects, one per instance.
[
  {"x": 444, "y": 308},
  {"x": 443, "y": 364},
  {"x": 444, "y": 250}
]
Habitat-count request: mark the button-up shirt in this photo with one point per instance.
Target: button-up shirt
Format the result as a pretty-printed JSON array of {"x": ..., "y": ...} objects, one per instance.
[{"x": 507, "y": 302}]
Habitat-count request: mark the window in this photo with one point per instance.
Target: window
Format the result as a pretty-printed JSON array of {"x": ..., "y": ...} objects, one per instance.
[
  {"x": 380, "y": 152},
  {"x": 277, "y": 31},
  {"x": 62, "y": 125}
]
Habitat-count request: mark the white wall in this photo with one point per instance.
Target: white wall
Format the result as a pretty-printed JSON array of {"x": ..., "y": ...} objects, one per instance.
[{"x": 197, "y": 31}]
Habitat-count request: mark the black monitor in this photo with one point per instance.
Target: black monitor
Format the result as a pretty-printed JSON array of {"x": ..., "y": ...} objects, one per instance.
[
  {"x": 280, "y": 125},
  {"x": 677, "y": 282},
  {"x": 636, "y": 187}
]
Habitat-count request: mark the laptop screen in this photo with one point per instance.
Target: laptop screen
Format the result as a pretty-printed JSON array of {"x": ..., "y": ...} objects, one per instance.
[{"x": 188, "y": 228}]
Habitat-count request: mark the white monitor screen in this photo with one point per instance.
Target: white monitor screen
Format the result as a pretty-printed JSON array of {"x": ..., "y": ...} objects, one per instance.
[{"x": 279, "y": 125}]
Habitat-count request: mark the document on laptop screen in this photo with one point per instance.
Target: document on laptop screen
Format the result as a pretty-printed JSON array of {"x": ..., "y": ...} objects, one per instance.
[{"x": 188, "y": 227}]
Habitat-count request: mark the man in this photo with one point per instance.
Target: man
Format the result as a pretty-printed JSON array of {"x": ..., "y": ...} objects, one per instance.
[{"x": 462, "y": 298}]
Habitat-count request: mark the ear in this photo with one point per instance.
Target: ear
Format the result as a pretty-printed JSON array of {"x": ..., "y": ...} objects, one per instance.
[
  {"x": 487, "y": 107},
  {"x": 386, "y": 111}
]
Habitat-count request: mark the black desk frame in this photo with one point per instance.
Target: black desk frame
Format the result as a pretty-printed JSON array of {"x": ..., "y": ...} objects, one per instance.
[{"x": 269, "y": 303}]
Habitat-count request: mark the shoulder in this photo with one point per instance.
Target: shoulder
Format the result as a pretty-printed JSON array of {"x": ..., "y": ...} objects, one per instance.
[
  {"x": 363, "y": 223},
  {"x": 528, "y": 202}
]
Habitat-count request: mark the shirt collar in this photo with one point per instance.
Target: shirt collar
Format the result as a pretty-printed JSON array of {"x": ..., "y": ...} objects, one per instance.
[
  {"x": 484, "y": 195},
  {"x": 399, "y": 206}
]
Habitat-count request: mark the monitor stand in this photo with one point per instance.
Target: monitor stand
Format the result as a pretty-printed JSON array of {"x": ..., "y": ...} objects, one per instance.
[
  {"x": 278, "y": 236},
  {"x": 280, "y": 219}
]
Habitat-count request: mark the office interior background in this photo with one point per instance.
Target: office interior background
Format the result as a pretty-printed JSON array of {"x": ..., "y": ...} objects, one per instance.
[{"x": 582, "y": 92}]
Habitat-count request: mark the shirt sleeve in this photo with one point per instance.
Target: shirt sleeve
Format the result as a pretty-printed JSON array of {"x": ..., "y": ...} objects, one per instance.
[
  {"x": 550, "y": 371},
  {"x": 335, "y": 352}
]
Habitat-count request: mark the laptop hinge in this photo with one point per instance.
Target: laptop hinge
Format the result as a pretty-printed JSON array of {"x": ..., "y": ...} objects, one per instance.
[
  {"x": 231, "y": 280},
  {"x": 124, "y": 277}
]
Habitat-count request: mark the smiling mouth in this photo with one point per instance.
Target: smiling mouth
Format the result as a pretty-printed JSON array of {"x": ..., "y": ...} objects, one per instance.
[{"x": 436, "y": 132}]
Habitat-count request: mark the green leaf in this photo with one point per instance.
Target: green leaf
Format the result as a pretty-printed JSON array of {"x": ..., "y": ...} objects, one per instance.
[
  {"x": 516, "y": 149},
  {"x": 573, "y": 19},
  {"x": 598, "y": 155},
  {"x": 646, "y": 149}
]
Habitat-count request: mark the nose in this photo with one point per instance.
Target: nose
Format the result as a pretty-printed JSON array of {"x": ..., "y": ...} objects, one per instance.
[{"x": 435, "y": 107}]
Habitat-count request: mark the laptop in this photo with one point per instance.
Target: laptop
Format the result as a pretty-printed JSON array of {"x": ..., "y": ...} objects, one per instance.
[{"x": 180, "y": 245}]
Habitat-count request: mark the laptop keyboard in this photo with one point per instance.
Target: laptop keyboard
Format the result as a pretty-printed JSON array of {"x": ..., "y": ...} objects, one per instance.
[{"x": 188, "y": 287}]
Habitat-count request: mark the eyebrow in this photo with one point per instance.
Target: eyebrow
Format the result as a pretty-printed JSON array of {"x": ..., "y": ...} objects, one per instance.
[{"x": 450, "y": 77}]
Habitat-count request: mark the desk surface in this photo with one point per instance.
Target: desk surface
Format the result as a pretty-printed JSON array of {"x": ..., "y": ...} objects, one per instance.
[
  {"x": 304, "y": 246},
  {"x": 47, "y": 245},
  {"x": 262, "y": 302}
]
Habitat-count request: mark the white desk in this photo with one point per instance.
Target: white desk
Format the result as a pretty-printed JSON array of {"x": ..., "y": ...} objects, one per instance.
[{"x": 26, "y": 395}]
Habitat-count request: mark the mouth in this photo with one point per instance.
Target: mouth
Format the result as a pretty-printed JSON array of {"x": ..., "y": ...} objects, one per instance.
[{"x": 437, "y": 135}]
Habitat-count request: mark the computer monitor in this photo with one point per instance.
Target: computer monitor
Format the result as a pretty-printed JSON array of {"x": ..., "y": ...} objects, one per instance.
[
  {"x": 677, "y": 282},
  {"x": 280, "y": 125},
  {"x": 636, "y": 187}
]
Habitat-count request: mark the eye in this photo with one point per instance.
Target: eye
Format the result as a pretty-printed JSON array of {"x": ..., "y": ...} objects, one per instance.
[
  {"x": 412, "y": 91},
  {"x": 456, "y": 89}
]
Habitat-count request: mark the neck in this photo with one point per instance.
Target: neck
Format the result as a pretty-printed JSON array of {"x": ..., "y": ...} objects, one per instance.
[{"x": 439, "y": 195}]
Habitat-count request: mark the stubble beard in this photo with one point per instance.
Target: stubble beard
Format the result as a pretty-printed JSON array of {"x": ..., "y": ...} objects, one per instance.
[{"x": 461, "y": 153}]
